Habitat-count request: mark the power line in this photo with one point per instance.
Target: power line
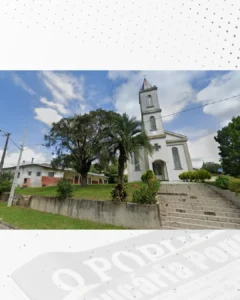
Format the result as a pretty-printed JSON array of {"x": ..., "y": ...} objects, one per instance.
[
  {"x": 197, "y": 107},
  {"x": 35, "y": 145},
  {"x": 15, "y": 144}
]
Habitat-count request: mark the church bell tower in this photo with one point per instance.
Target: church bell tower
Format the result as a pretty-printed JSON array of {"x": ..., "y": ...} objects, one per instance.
[{"x": 150, "y": 110}]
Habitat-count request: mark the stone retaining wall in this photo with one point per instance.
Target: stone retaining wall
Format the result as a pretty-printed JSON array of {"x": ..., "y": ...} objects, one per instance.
[
  {"x": 129, "y": 215},
  {"x": 227, "y": 194}
]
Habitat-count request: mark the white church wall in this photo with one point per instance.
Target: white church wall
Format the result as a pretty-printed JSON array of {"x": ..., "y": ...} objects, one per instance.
[
  {"x": 133, "y": 174},
  {"x": 170, "y": 137},
  {"x": 172, "y": 173},
  {"x": 161, "y": 154},
  {"x": 147, "y": 124}
]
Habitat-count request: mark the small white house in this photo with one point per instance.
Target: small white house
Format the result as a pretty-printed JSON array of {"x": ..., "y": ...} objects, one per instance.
[
  {"x": 38, "y": 175},
  {"x": 171, "y": 156}
]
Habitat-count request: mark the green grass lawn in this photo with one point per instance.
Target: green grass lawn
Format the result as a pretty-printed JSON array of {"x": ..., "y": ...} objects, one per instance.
[
  {"x": 25, "y": 218},
  {"x": 92, "y": 192}
]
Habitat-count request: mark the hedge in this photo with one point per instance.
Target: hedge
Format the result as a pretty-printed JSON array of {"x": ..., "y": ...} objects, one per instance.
[
  {"x": 234, "y": 185},
  {"x": 199, "y": 175}
]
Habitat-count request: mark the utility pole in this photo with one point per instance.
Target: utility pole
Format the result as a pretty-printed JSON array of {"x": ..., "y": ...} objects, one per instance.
[
  {"x": 4, "y": 152},
  {"x": 10, "y": 200}
]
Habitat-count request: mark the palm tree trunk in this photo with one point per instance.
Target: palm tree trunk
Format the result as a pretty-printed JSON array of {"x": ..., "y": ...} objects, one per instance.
[{"x": 121, "y": 163}]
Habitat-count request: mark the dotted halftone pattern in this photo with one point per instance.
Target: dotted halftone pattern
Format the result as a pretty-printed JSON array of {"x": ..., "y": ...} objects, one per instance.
[{"x": 73, "y": 34}]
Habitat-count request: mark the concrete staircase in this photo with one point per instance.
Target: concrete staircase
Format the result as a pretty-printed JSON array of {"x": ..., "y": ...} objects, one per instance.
[{"x": 196, "y": 206}]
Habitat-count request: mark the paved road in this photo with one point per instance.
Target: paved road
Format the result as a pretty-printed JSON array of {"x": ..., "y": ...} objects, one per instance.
[{"x": 3, "y": 227}]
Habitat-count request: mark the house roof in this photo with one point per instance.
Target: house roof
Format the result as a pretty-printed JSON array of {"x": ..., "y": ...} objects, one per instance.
[
  {"x": 48, "y": 166},
  {"x": 34, "y": 164}
]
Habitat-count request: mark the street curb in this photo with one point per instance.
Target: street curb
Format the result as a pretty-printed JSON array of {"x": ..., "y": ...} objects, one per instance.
[{"x": 8, "y": 225}]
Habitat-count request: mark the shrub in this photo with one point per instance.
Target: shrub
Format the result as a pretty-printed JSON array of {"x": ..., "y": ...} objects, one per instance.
[
  {"x": 154, "y": 185},
  {"x": 118, "y": 193},
  {"x": 143, "y": 177},
  {"x": 183, "y": 176},
  {"x": 64, "y": 189},
  {"x": 222, "y": 182},
  {"x": 144, "y": 196},
  {"x": 125, "y": 178},
  {"x": 234, "y": 185},
  {"x": 6, "y": 179},
  {"x": 202, "y": 175},
  {"x": 6, "y": 176},
  {"x": 191, "y": 175},
  {"x": 5, "y": 186},
  {"x": 147, "y": 194},
  {"x": 147, "y": 175},
  {"x": 199, "y": 175}
]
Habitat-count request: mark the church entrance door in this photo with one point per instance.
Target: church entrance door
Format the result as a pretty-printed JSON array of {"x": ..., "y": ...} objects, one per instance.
[{"x": 158, "y": 169}]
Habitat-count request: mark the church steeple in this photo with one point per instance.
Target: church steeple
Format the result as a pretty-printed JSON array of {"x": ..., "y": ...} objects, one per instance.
[
  {"x": 146, "y": 85},
  {"x": 150, "y": 109}
]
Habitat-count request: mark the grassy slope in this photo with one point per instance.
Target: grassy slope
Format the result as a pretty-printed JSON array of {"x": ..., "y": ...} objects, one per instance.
[
  {"x": 30, "y": 219},
  {"x": 24, "y": 218},
  {"x": 92, "y": 192}
]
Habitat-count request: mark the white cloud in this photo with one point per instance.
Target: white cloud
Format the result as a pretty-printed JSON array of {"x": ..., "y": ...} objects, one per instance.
[
  {"x": 174, "y": 90},
  {"x": 63, "y": 86},
  {"x": 225, "y": 123},
  {"x": 11, "y": 158},
  {"x": 47, "y": 115},
  {"x": 19, "y": 82},
  {"x": 59, "y": 107},
  {"x": 114, "y": 75},
  {"x": 204, "y": 149},
  {"x": 192, "y": 133},
  {"x": 222, "y": 87},
  {"x": 67, "y": 96}
]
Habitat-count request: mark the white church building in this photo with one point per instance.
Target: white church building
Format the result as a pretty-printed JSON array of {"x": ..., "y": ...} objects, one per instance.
[{"x": 171, "y": 156}]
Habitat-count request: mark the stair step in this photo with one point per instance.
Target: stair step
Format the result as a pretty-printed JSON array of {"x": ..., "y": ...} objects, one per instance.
[
  {"x": 198, "y": 207},
  {"x": 177, "y": 225},
  {"x": 198, "y": 203},
  {"x": 195, "y": 225},
  {"x": 200, "y": 213},
  {"x": 228, "y": 212},
  {"x": 191, "y": 197},
  {"x": 200, "y": 219}
]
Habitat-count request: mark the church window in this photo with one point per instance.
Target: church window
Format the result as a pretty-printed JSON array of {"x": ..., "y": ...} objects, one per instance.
[
  {"x": 176, "y": 158},
  {"x": 149, "y": 101},
  {"x": 153, "y": 123},
  {"x": 136, "y": 163}
]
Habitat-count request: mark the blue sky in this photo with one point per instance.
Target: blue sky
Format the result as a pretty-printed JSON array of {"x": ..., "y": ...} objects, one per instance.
[{"x": 35, "y": 99}]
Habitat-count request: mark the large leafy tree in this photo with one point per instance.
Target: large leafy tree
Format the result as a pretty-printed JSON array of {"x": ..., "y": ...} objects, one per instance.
[
  {"x": 112, "y": 172},
  {"x": 229, "y": 146},
  {"x": 79, "y": 141},
  {"x": 126, "y": 137},
  {"x": 98, "y": 168},
  {"x": 211, "y": 167}
]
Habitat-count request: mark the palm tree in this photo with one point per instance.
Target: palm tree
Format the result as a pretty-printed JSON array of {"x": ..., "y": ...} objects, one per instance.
[{"x": 126, "y": 137}]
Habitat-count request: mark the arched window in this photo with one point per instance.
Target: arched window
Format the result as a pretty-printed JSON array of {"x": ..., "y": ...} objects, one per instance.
[
  {"x": 176, "y": 158},
  {"x": 153, "y": 123},
  {"x": 136, "y": 163},
  {"x": 149, "y": 101}
]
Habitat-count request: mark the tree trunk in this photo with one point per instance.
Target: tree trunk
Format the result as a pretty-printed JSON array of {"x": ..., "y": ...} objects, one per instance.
[
  {"x": 84, "y": 180},
  {"x": 121, "y": 162}
]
